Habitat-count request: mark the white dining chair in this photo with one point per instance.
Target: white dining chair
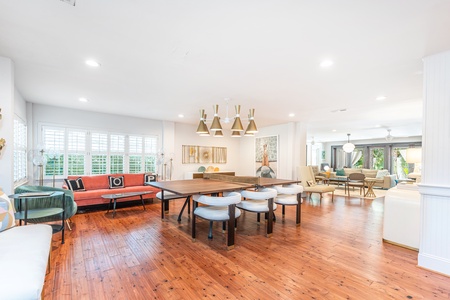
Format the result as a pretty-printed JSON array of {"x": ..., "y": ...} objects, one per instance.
[
  {"x": 290, "y": 195},
  {"x": 258, "y": 201},
  {"x": 219, "y": 209}
]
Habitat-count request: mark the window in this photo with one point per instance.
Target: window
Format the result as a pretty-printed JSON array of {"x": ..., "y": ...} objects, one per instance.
[
  {"x": 377, "y": 158},
  {"x": 71, "y": 151},
  {"x": 20, "y": 151},
  {"x": 117, "y": 146},
  {"x": 53, "y": 139},
  {"x": 76, "y": 152},
  {"x": 99, "y": 144},
  {"x": 135, "y": 158},
  {"x": 358, "y": 158}
]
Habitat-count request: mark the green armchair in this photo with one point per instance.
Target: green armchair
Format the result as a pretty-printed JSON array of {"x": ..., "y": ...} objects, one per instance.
[{"x": 70, "y": 205}]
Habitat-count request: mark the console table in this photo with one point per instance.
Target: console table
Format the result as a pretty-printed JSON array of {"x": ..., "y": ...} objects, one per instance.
[{"x": 195, "y": 175}]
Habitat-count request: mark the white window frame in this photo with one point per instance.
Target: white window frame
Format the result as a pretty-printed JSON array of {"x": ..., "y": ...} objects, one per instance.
[
  {"x": 88, "y": 152},
  {"x": 20, "y": 151}
]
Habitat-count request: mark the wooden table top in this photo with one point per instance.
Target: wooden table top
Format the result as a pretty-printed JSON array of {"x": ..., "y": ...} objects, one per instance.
[{"x": 206, "y": 186}]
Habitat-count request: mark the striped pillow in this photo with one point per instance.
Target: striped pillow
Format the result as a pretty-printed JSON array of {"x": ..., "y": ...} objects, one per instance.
[{"x": 7, "y": 219}]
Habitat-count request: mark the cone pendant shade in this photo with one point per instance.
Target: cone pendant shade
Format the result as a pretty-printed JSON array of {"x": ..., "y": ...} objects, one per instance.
[
  {"x": 216, "y": 122},
  {"x": 237, "y": 125},
  {"x": 251, "y": 128}
]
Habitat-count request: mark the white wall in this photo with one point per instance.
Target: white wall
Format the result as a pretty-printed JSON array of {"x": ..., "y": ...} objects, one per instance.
[
  {"x": 291, "y": 149},
  {"x": 185, "y": 135},
  {"x": 7, "y": 124}
]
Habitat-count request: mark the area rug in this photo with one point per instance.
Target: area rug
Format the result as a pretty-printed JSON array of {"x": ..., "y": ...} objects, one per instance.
[{"x": 355, "y": 193}]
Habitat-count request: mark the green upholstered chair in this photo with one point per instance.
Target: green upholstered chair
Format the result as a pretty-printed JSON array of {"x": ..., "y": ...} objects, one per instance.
[{"x": 70, "y": 204}]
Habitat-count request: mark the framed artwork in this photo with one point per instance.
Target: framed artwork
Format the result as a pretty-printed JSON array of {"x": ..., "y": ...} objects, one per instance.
[
  {"x": 266, "y": 156},
  {"x": 204, "y": 154}
]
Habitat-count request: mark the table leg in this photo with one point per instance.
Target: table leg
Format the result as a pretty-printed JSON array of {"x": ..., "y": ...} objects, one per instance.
[
  {"x": 298, "y": 209},
  {"x": 142, "y": 200},
  {"x": 162, "y": 204},
  {"x": 188, "y": 201},
  {"x": 270, "y": 218},
  {"x": 231, "y": 222},
  {"x": 114, "y": 207}
]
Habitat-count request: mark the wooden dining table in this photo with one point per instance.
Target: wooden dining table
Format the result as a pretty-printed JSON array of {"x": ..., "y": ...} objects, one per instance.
[{"x": 218, "y": 184}]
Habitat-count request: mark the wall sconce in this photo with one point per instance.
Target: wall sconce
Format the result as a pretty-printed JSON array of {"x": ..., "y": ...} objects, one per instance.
[{"x": 2, "y": 143}]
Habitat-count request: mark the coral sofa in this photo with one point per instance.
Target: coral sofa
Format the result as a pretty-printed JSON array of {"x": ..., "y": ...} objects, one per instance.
[{"x": 97, "y": 185}]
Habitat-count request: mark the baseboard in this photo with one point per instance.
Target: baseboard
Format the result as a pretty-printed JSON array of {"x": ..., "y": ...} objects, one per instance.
[{"x": 434, "y": 263}]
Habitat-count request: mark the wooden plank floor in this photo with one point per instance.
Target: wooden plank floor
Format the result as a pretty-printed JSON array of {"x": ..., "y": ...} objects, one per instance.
[{"x": 336, "y": 253}]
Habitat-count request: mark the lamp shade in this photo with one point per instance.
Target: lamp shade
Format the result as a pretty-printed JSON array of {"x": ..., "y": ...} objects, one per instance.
[
  {"x": 413, "y": 155},
  {"x": 218, "y": 133},
  {"x": 251, "y": 128},
  {"x": 237, "y": 124},
  {"x": 235, "y": 134},
  {"x": 348, "y": 147},
  {"x": 216, "y": 122}
]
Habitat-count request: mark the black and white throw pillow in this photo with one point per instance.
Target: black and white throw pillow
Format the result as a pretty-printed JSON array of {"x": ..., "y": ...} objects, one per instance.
[
  {"x": 115, "y": 182},
  {"x": 75, "y": 185},
  {"x": 149, "y": 177}
]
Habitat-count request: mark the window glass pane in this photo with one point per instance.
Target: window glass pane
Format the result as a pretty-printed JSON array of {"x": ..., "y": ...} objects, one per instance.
[
  {"x": 117, "y": 143},
  {"x": 20, "y": 150},
  {"x": 98, "y": 164},
  {"x": 377, "y": 158},
  {"x": 135, "y": 144},
  {"x": 76, "y": 141},
  {"x": 135, "y": 163},
  {"x": 99, "y": 142},
  {"x": 151, "y": 144},
  {"x": 116, "y": 165},
  {"x": 53, "y": 139},
  {"x": 75, "y": 164},
  {"x": 55, "y": 164},
  {"x": 358, "y": 158},
  {"x": 150, "y": 163}
]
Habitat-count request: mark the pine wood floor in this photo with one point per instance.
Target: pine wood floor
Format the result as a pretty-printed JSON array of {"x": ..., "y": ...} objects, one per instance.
[{"x": 336, "y": 253}]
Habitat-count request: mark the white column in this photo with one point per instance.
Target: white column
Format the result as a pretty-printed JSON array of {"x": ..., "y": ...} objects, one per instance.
[
  {"x": 7, "y": 124},
  {"x": 434, "y": 253}
]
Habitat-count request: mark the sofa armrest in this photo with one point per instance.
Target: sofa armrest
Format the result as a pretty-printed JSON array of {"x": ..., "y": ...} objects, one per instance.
[{"x": 389, "y": 181}]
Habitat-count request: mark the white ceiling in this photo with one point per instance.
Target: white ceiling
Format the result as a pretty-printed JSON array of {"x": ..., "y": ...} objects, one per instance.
[{"x": 162, "y": 58}]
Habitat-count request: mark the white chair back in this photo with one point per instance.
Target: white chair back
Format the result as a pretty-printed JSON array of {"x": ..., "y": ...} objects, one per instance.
[
  {"x": 261, "y": 194},
  {"x": 306, "y": 174},
  {"x": 291, "y": 189},
  {"x": 231, "y": 198}
]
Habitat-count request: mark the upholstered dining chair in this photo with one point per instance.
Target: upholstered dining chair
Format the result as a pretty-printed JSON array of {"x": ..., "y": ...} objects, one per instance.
[
  {"x": 310, "y": 186},
  {"x": 216, "y": 209},
  {"x": 257, "y": 201},
  {"x": 356, "y": 180},
  {"x": 48, "y": 202},
  {"x": 290, "y": 195}
]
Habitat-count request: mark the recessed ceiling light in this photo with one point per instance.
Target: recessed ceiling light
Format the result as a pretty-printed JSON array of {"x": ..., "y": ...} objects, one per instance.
[
  {"x": 180, "y": 116},
  {"x": 378, "y": 126},
  {"x": 92, "y": 63},
  {"x": 291, "y": 115},
  {"x": 82, "y": 99},
  {"x": 334, "y": 130},
  {"x": 326, "y": 63},
  {"x": 381, "y": 98}
]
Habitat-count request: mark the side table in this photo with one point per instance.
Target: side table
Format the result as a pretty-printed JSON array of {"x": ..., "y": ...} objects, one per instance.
[
  {"x": 24, "y": 214},
  {"x": 370, "y": 183}
]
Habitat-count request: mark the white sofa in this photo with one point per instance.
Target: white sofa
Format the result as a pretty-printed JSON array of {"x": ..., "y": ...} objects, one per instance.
[
  {"x": 386, "y": 182},
  {"x": 24, "y": 255}
]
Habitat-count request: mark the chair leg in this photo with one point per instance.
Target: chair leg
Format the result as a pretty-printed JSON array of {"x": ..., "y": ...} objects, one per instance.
[
  {"x": 283, "y": 210},
  {"x": 210, "y": 235},
  {"x": 224, "y": 226},
  {"x": 68, "y": 224},
  {"x": 258, "y": 218},
  {"x": 332, "y": 196}
]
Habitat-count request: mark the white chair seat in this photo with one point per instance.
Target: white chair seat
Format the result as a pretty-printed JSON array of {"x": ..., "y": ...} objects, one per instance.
[
  {"x": 286, "y": 200},
  {"x": 259, "y": 206},
  {"x": 215, "y": 213}
]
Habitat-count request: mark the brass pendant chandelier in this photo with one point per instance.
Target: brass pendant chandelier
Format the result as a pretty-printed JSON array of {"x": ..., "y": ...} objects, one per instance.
[{"x": 236, "y": 128}]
